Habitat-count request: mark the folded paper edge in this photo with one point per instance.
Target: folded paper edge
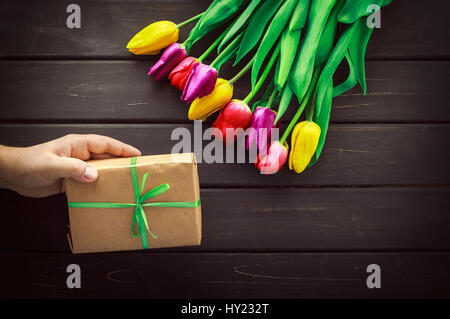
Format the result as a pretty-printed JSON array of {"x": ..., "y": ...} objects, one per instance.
[{"x": 69, "y": 239}]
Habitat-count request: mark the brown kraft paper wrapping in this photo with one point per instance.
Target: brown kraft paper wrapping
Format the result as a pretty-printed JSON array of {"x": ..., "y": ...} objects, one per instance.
[{"x": 109, "y": 229}]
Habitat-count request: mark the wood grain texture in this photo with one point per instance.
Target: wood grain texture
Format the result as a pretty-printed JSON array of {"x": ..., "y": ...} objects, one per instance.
[
  {"x": 378, "y": 154},
  {"x": 409, "y": 29},
  {"x": 121, "y": 91},
  {"x": 219, "y": 275},
  {"x": 352, "y": 219}
]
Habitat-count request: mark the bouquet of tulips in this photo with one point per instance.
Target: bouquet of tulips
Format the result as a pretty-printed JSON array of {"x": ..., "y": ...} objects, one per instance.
[{"x": 305, "y": 40}]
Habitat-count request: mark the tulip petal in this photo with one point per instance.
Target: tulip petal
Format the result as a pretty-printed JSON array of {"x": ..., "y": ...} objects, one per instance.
[
  {"x": 173, "y": 55},
  {"x": 153, "y": 38},
  {"x": 201, "y": 108},
  {"x": 234, "y": 116},
  {"x": 200, "y": 82},
  {"x": 305, "y": 138}
]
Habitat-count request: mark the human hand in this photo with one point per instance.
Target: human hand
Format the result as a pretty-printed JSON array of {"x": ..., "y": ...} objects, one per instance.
[{"x": 38, "y": 171}]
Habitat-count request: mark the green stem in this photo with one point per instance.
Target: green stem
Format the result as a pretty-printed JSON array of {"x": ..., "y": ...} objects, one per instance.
[
  {"x": 182, "y": 24},
  {"x": 260, "y": 82},
  {"x": 310, "y": 111},
  {"x": 243, "y": 71},
  {"x": 225, "y": 52},
  {"x": 272, "y": 97},
  {"x": 214, "y": 45},
  {"x": 300, "y": 109}
]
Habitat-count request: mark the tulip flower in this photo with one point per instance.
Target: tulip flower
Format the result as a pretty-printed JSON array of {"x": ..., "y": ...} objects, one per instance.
[
  {"x": 274, "y": 160},
  {"x": 203, "y": 107},
  {"x": 305, "y": 138},
  {"x": 153, "y": 38},
  {"x": 179, "y": 75},
  {"x": 169, "y": 59},
  {"x": 262, "y": 122},
  {"x": 236, "y": 114},
  {"x": 201, "y": 82}
]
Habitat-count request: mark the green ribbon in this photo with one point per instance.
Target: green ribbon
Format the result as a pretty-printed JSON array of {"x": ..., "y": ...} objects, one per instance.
[{"x": 139, "y": 214}]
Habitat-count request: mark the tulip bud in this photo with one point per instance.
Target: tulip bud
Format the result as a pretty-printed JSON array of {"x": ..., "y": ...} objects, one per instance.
[
  {"x": 153, "y": 38},
  {"x": 169, "y": 59},
  {"x": 305, "y": 138},
  {"x": 179, "y": 75},
  {"x": 262, "y": 123},
  {"x": 236, "y": 114},
  {"x": 200, "y": 82},
  {"x": 203, "y": 107},
  {"x": 274, "y": 160}
]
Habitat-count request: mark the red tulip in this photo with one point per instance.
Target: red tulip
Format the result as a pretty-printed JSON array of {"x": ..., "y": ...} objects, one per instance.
[
  {"x": 274, "y": 160},
  {"x": 180, "y": 74},
  {"x": 236, "y": 114}
]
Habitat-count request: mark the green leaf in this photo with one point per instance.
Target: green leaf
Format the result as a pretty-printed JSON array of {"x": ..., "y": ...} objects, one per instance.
[
  {"x": 269, "y": 90},
  {"x": 225, "y": 58},
  {"x": 299, "y": 15},
  {"x": 323, "y": 119},
  {"x": 277, "y": 69},
  {"x": 217, "y": 14},
  {"x": 265, "y": 101},
  {"x": 271, "y": 36},
  {"x": 327, "y": 39},
  {"x": 355, "y": 9},
  {"x": 357, "y": 51},
  {"x": 290, "y": 40},
  {"x": 289, "y": 46},
  {"x": 266, "y": 96},
  {"x": 256, "y": 27},
  {"x": 300, "y": 77},
  {"x": 226, "y": 54},
  {"x": 239, "y": 23},
  {"x": 284, "y": 103},
  {"x": 350, "y": 82},
  {"x": 333, "y": 62}
]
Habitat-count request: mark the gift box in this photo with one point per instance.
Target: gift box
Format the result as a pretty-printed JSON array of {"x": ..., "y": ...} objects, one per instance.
[{"x": 136, "y": 203}]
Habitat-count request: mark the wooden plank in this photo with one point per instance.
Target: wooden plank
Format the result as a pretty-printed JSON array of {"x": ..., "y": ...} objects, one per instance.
[
  {"x": 120, "y": 91},
  {"x": 378, "y": 154},
  {"x": 352, "y": 219},
  {"x": 409, "y": 29},
  {"x": 218, "y": 275}
]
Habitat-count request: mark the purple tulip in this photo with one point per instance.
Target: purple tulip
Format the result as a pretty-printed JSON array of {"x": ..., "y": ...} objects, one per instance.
[
  {"x": 260, "y": 128},
  {"x": 200, "y": 82},
  {"x": 173, "y": 55}
]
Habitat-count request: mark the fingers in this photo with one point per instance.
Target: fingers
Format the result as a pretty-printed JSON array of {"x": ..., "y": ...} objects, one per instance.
[
  {"x": 98, "y": 146},
  {"x": 62, "y": 167},
  {"x": 101, "y": 156},
  {"x": 72, "y": 150}
]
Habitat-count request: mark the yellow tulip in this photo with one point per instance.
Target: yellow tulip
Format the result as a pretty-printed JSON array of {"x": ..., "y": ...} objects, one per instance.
[
  {"x": 305, "y": 138},
  {"x": 153, "y": 38},
  {"x": 203, "y": 107}
]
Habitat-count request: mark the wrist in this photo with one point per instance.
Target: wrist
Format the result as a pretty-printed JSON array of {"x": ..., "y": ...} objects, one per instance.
[{"x": 7, "y": 155}]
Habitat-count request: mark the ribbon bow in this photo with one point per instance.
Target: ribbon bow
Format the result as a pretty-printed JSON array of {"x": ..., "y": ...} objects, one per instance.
[{"x": 139, "y": 214}]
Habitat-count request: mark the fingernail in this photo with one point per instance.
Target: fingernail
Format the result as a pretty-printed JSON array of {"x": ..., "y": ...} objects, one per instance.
[{"x": 90, "y": 173}]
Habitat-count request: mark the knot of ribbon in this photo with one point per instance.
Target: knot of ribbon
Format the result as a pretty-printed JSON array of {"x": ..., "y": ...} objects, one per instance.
[{"x": 139, "y": 217}]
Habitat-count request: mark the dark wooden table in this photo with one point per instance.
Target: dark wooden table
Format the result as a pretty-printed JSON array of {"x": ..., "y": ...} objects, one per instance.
[{"x": 379, "y": 195}]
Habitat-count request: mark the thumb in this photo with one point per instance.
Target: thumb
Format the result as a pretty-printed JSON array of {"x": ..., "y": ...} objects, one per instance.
[{"x": 76, "y": 169}]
